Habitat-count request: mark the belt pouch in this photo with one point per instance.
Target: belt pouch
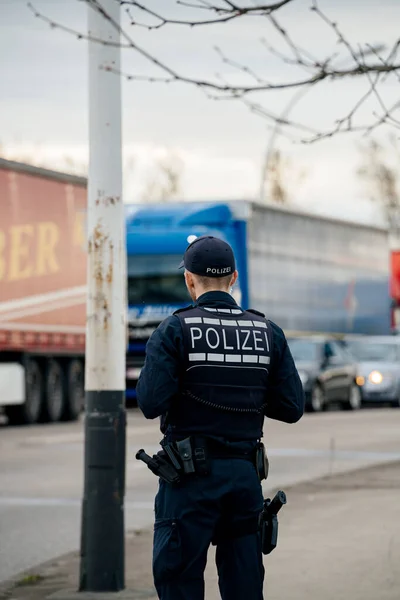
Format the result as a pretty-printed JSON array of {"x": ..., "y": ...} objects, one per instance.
[
  {"x": 184, "y": 448},
  {"x": 201, "y": 458},
  {"x": 262, "y": 464}
]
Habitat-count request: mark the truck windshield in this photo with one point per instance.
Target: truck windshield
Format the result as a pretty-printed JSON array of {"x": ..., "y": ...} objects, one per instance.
[
  {"x": 157, "y": 289},
  {"x": 156, "y": 279}
]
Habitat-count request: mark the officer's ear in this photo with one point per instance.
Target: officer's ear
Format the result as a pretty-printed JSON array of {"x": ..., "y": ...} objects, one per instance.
[
  {"x": 234, "y": 279},
  {"x": 189, "y": 279}
]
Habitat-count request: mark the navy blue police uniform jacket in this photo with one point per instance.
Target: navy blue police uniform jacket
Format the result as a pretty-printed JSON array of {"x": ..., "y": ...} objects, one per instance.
[{"x": 159, "y": 384}]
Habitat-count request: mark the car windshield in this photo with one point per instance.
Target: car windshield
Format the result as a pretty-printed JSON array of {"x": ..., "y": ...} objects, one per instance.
[
  {"x": 303, "y": 350},
  {"x": 373, "y": 352}
]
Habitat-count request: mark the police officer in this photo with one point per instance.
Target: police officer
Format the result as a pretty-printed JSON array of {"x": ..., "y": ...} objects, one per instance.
[{"x": 212, "y": 372}]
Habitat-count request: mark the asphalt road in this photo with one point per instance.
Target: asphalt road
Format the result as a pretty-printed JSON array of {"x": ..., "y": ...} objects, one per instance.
[{"x": 41, "y": 473}]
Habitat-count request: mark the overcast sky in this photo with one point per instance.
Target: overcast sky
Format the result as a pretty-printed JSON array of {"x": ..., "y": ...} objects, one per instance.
[{"x": 44, "y": 106}]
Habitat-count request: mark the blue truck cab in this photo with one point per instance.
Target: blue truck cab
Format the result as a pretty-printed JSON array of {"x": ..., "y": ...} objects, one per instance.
[{"x": 156, "y": 239}]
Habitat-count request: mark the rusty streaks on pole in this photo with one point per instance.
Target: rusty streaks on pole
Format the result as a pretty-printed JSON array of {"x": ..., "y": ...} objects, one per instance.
[
  {"x": 101, "y": 248},
  {"x": 110, "y": 271},
  {"x": 107, "y": 200}
]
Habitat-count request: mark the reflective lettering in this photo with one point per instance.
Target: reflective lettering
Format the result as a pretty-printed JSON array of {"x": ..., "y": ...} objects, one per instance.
[
  {"x": 228, "y": 323},
  {"x": 244, "y": 347},
  {"x": 226, "y": 347},
  {"x": 218, "y": 271},
  {"x": 225, "y": 339},
  {"x": 193, "y": 337},
  {"x": 250, "y": 358},
  {"x": 216, "y": 357},
  {"x": 237, "y": 339},
  {"x": 197, "y": 356},
  {"x": 210, "y": 321},
  {"x": 233, "y": 358},
  {"x": 208, "y": 338},
  {"x": 264, "y": 359},
  {"x": 257, "y": 339},
  {"x": 266, "y": 340}
]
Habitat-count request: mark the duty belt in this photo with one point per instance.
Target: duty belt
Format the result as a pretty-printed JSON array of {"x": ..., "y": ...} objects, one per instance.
[
  {"x": 192, "y": 455},
  {"x": 218, "y": 449}
]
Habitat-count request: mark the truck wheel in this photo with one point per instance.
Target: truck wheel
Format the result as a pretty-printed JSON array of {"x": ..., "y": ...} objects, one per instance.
[
  {"x": 75, "y": 391},
  {"x": 29, "y": 412},
  {"x": 53, "y": 403}
]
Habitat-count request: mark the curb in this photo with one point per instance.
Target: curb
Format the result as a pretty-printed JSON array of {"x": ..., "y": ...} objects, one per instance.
[{"x": 48, "y": 570}]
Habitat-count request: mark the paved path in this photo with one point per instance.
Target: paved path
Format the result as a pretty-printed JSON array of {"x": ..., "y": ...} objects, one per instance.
[
  {"x": 41, "y": 475},
  {"x": 339, "y": 539}
]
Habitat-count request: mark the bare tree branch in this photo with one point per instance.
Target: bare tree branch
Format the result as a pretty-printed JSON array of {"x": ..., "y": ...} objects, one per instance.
[
  {"x": 392, "y": 55},
  {"x": 321, "y": 73},
  {"x": 80, "y": 36},
  {"x": 240, "y": 67},
  {"x": 300, "y": 56},
  {"x": 279, "y": 119},
  {"x": 224, "y": 14},
  {"x": 365, "y": 62}
]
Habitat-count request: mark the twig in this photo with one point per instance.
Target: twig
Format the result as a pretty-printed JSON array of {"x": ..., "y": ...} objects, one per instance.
[
  {"x": 374, "y": 70},
  {"x": 225, "y": 14},
  {"x": 240, "y": 67}
]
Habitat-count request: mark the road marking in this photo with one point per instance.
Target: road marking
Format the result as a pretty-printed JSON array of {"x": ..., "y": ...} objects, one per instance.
[
  {"x": 75, "y": 502},
  {"x": 346, "y": 454},
  {"x": 72, "y": 438}
]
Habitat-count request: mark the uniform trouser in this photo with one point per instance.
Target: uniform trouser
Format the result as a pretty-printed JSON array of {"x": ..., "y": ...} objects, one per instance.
[{"x": 186, "y": 518}]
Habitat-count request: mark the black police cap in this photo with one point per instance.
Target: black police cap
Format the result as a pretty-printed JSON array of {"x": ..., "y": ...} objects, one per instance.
[{"x": 210, "y": 257}]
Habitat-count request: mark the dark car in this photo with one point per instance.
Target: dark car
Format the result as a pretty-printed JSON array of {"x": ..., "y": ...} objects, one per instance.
[
  {"x": 328, "y": 372},
  {"x": 378, "y": 367}
]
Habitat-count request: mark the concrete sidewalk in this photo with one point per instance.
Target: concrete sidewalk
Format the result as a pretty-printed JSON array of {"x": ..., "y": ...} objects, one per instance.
[{"x": 339, "y": 540}]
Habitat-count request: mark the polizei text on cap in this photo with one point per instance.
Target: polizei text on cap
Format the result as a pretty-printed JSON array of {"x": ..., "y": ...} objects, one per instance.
[{"x": 219, "y": 271}]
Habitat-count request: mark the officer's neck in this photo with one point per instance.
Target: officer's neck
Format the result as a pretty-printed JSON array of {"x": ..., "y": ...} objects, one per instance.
[{"x": 203, "y": 291}]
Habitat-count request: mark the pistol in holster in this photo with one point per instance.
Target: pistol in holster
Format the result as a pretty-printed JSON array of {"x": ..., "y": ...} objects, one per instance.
[
  {"x": 178, "y": 459},
  {"x": 161, "y": 465},
  {"x": 268, "y": 522}
]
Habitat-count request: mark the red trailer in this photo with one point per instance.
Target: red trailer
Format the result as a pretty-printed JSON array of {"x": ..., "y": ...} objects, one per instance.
[
  {"x": 395, "y": 289},
  {"x": 42, "y": 293}
]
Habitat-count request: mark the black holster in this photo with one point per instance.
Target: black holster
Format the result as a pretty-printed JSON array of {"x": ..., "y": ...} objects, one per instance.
[
  {"x": 261, "y": 461},
  {"x": 160, "y": 465},
  {"x": 268, "y": 522}
]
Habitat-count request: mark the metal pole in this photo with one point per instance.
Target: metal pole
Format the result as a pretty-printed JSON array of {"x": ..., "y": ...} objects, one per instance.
[{"x": 102, "y": 533}]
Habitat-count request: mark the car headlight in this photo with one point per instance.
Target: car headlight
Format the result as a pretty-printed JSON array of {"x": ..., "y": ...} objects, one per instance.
[
  {"x": 375, "y": 377},
  {"x": 303, "y": 377}
]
